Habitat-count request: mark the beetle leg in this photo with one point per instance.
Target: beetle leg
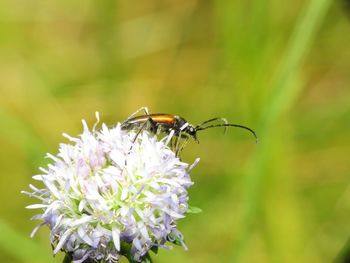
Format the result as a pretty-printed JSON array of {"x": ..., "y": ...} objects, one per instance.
[
  {"x": 124, "y": 124},
  {"x": 154, "y": 126},
  {"x": 172, "y": 142},
  {"x": 178, "y": 142},
  {"x": 143, "y": 126},
  {"x": 144, "y": 109},
  {"x": 180, "y": 148}
]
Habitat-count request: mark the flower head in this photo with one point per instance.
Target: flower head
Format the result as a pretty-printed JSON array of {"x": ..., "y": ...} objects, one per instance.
[{"x": 111, "y": 192}]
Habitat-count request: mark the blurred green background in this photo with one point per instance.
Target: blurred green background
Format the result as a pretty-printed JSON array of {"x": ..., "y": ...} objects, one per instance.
[{"x": 282, "y": 68}]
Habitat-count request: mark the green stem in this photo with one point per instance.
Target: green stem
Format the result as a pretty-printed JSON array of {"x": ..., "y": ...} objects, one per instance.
[{"x": 67, "y": 258}]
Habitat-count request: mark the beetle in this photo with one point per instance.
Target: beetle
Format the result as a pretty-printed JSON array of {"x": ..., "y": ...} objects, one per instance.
[{"x": 173, "y": 124}]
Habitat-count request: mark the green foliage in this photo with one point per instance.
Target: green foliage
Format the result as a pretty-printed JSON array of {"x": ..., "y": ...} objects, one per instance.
[
  {"x": 283, "y": 94},
  {"x": 21, "y": 246}
]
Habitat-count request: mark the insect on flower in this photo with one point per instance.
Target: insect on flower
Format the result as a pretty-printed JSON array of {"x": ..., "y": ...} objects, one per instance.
[
  {"x": 100, "y": 207},
  {"x": 174, "y": 125}
]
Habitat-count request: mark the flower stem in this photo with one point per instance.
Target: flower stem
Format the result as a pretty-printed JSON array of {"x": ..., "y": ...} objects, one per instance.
[{"x": 68, "y": 258}]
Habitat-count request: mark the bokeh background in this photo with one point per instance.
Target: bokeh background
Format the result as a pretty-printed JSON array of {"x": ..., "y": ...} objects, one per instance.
[{"x": 282, "y": 68}]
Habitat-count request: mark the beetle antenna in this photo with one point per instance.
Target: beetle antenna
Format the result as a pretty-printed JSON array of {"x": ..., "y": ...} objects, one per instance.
[
  {"x": 230, "y": 125},
  {"x": 211, "y": 120}
]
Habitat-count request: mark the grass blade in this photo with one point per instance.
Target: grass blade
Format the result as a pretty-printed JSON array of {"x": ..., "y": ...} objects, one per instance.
[{"x": 282, "y": 98}]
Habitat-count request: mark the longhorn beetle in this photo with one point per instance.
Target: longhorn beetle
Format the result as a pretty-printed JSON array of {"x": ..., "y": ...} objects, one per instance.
[{"x": 178, "y": 126}]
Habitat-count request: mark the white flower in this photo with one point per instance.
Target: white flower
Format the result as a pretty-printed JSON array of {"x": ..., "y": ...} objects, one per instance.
[{"x": 105, "y": 194}]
